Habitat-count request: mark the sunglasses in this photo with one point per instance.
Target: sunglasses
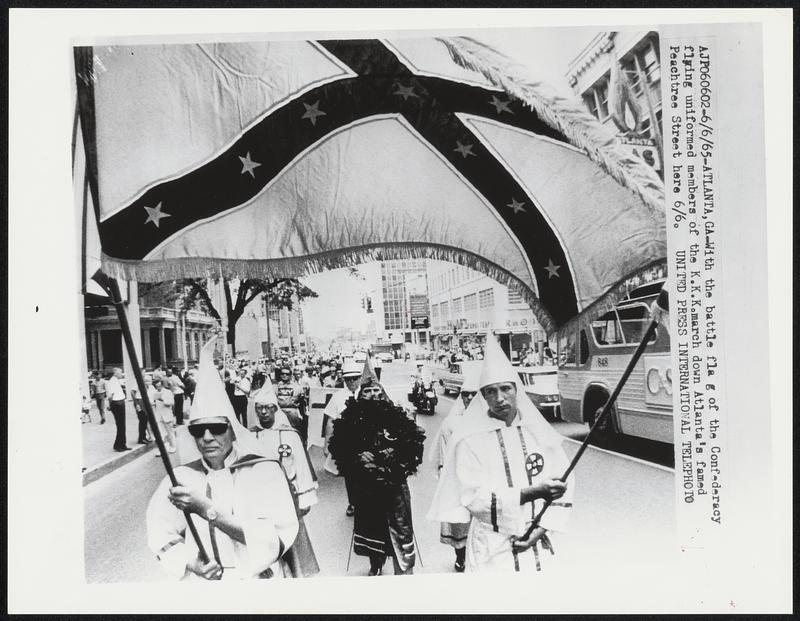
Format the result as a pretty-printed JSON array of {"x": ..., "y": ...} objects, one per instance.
[{"x": 216, "y": 429}]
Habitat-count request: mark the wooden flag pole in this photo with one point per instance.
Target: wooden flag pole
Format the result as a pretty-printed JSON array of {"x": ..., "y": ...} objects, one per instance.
[
  {"x": 661, "y": 302},
  {"x": 112, "y": 287}
]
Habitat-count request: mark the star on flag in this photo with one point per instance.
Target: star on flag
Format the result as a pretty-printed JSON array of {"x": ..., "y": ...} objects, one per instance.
[
  {"x": 552, "y": 269},
  {"x": 154, "y": 214},
  {"x": 516, "y": 205},
  {"x": 312, "y": 112},
  {"x": 500, "y": 105},
  {"x": 248, "y": 165},
  {"x": 405, "y": 92},
  {"x": 464, "y": 149}
]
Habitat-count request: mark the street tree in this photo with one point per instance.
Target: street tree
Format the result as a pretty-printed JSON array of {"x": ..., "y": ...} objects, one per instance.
[{"x": 191, "y": 293}]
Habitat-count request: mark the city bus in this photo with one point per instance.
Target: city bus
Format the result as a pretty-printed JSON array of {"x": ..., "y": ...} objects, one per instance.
[{"x": 592, "y": 358}]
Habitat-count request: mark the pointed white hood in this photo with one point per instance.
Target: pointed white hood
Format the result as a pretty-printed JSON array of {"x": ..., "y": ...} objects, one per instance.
[
  {"x": 446, "y": 505},
  {"x": 211, "y": 401}
]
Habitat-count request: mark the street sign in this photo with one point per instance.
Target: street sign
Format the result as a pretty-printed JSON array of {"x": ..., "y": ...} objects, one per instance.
[
  {"x": 420, "y": 317},
  {"x": 643, "y": 148}
]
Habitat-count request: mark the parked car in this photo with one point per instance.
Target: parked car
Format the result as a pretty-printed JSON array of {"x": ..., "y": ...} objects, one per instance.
[
  {"x": 541, "y": 386},
  {"x": 451, "y": 376},
  {"x": 385, "y": 357}
]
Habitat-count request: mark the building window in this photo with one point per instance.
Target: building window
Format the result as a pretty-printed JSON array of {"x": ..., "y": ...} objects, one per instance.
[
  {"x": 457, "y": 308},
  {"x": 486, "y": 298},
  {"x": 601, "y": 98},
  {"x": 591, "y": 103},
  {"x": 514, "y": 297},
  {"x": 445, "y": 310},
  {"x": 470, "y": 302},
  {"x": 650, "y": 65}
]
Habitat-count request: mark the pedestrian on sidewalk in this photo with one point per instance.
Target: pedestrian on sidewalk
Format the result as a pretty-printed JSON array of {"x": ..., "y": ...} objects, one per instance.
[
  {"x": 164, "y": 413},
  {"x": 174, "y": 383},
  {"x": 377, "y": 447},
  {"x": 98, "y": 386},
  {"x": 241, "y": 390},
  {"x": 86, "y": 407},
  {"x": 116, "y": 397},
  {"x": 138, "y": 405},
  {"x": 189, "y": 384}
]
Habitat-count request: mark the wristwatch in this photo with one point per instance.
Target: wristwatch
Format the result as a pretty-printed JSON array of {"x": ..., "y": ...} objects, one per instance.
[{"x": 211, "y": 514}]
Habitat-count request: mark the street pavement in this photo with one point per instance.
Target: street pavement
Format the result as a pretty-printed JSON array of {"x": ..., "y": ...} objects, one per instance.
[
  {"x": 624, "y": 508},
  {"x": 98, "y": 454}
]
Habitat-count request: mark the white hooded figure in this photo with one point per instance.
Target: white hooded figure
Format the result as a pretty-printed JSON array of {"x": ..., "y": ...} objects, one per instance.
[
  {"x": 468, "y": 390},
  {"x": 240, "y": 502},
  {"x": 278, "y": 440},
  {"x": 502, "y": 462},
  {"x": 455, "y": 533}
]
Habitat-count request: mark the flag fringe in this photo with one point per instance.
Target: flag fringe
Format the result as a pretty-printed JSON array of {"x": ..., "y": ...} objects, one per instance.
[
  {"x": 267, "y": 269},
  {"x": 564, "y": 114},
  {"x": 608, "y": 300}
]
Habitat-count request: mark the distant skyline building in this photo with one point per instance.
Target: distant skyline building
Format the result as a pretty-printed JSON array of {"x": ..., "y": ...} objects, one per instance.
[
  {"x": 400, "y": 280},
  {"x": 466, "y": 306},
  {"x": 280, "y": 329}
]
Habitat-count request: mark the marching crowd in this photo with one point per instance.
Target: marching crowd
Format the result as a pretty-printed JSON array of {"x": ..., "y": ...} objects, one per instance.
[{"x": 248, "y": 485}]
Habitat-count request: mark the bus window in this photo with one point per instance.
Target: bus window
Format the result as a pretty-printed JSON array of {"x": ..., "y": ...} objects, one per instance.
[
  {"x": 634, "y": 320},
  {"x": 584, "y": 347},
  {"x": 566, "y": 349},
  {"x": 607, "y": 331}
]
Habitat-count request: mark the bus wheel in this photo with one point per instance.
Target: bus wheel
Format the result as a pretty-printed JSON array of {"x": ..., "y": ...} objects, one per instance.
[{"x": 608, "y": 427}]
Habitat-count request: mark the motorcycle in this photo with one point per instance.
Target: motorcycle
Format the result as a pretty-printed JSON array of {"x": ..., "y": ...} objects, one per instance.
[{"x": 423, "y": 398}]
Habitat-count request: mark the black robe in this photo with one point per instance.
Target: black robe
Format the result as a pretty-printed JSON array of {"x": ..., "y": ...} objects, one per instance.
[{"x": 380, "y": 494}]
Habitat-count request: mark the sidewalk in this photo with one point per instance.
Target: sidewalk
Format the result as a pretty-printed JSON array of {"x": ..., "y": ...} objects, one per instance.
[{"x": 99, "y": 456}]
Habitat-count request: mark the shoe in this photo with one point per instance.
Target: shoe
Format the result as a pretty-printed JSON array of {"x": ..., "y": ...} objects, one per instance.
[
  {"x": 142, "y": 442},
  {"x": 350, "y": 511},
  {"x": 103, "y": 421},
  {"x": 459, "y": 567},
  {"x": 171, "y": 449},
  {"x": 375, "y": 572}
]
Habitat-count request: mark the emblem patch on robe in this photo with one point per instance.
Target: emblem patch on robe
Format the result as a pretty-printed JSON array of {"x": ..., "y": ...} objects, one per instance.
[
  {"x": 534, "y": 464},
  {"x": 284, "y": 450}
]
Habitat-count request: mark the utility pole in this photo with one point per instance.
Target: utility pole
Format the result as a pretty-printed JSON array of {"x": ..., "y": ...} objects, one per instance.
[
  {"x": 183, "y": 340},
  {"x": 269, "y": 332}
]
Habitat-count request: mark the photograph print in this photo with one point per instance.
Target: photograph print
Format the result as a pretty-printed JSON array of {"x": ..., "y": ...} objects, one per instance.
[{"x": 373, "y": 306}]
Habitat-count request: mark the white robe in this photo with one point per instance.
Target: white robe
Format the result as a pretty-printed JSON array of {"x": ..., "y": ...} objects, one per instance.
[
  {"x": 295, "y": 463},
  {"x": 484, "y": 472},
  {"x": 260, "y": 498}
]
